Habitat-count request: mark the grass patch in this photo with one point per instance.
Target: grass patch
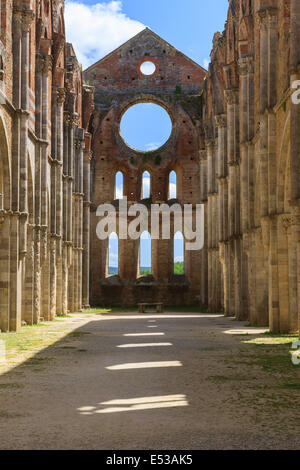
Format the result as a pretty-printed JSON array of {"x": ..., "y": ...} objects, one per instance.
[
  {"x": 292, "y": 386},
  {"x": 133, "y": 309},
  {"x": 7, "y": 415},
  {"x": 230, "y": 378},
  {"x": 10, "y": 386}
]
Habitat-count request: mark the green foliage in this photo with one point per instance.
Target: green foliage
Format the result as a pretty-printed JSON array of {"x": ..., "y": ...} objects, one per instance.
[
  {"x": 145, "y": 271},
  {"x": 177, "y": 90},
  {"x": 179, "y": 268},
  {"x": 157, "y": 160},
  {"x": 132, "y": 161}
]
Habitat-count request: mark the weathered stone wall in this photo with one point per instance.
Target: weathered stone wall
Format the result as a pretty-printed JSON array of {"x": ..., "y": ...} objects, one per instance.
[
  {"x": 44, "y": 145},
  {"x": 251, "y": 158},
  {"x": 176, "y": 86}
]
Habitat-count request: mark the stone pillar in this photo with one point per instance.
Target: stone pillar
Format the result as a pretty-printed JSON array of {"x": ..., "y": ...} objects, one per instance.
[
  {"x": 295, "y": 108},
  {"x": 295, "y": 230},
  {"x": 59, "y": 101},
  {"x": 86, "y": 229},
  {"x": 221, "y": 123},
  {"x": 45, "y": 240},
  {"x": 5, "y": 270}
]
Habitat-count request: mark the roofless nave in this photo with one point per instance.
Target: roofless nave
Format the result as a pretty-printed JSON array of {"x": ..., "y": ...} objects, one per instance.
[{"x": 234, "y": 147}]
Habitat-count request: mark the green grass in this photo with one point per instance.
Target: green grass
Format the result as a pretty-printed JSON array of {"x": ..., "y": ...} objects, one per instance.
[
  {"x": 10, "y": 386},
  {"x": 145, "y": 272},
  {"x": 292, "y": 386},
  {"x": 108, "y": 310},
  {"x": 79, "y": 334}
]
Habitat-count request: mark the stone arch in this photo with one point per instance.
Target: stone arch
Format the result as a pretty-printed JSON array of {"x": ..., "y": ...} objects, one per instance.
[
  {"x": 142, "y": 185},
  {"x": 172, "y": 180},
  {"x": 119, "y": 193},
  {"x": 118, "y": 168}
]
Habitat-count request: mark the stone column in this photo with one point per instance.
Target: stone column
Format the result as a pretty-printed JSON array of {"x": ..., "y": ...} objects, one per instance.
[
  {"x": 221, "y": 123},
  {"x": 60, "y": 99},
  {"x": 45, "y": 240},
  {"x": 86, "y": 229},
  {"x": 295, "y": 108},
  {"x": 5, "y": 270},
  {"x": 296, "y": 238}
]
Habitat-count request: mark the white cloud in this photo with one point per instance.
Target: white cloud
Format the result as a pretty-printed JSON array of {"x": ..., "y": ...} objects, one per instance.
[
  {"x": 206, "y": 63},
  {"x": 148, "y": 68},
  {"x": 179, "y": 259},
  {"x": 153, "y": 146},
  {"x": 119, "y": 192},
  {"x": 103, "y": 27},
  {"x": 146, "y": 186},
  {"x": 172, "y": 191}
]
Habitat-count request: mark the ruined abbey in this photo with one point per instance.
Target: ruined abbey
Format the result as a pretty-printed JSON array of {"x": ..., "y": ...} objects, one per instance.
[{"x": 234, "y": 146}]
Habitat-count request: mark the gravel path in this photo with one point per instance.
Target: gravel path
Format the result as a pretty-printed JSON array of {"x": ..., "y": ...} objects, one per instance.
[{"x": 171, "y": 381}]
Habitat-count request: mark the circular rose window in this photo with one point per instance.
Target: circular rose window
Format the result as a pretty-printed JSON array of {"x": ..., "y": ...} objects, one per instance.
[
  {"x": 146, "y": 127},
  {"x": 148, "y": 68}
]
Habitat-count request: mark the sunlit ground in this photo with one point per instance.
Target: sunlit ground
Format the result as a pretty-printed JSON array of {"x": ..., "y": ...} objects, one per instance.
[
  {"x": 145, "y": 365},
  {"x": 26, "y": 344},
  {"x": 144, "y": 345},
  {"x": 135, "y": 404},
  {"x": 249, "y": 367}
]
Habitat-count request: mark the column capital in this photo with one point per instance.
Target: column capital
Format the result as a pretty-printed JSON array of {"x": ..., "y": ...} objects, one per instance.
[
  {"x": 23, "y": 17},
  {"x": 43, "y": 63},
  {"x": 246, "y": 65},
  {"x": 27, "y": 19},
  {"x": 210, "y": 143},
  {"x": 74, "y": 119},
  {"x": 287, "y": 220},
  {"x": 47, "y": 66},
  {"x": 202, "y": 155},
  {"x": 232, "y": 95},
  {"x": 60, "y": 95},
  {"x": 221, "y": 120},
  {"x": 267, "y": 14}
]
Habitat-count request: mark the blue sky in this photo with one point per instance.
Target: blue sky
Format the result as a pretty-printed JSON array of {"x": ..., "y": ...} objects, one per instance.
[
  {"x": 188, "y": 25},
  {"x": 146, "y": 126},
  {"x": 97, "y": 28}
]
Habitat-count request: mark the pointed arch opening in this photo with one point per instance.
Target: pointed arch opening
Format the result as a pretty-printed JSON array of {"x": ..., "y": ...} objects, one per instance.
[
  {"x": 172, "y": 192},
  {"x": 178, "y": 254},
  {"x": 113, "y": 254},
  {"x": 146, "y": 185},
  {"x": 145, "y": 255},
  {"x": 119, "y": 185}
]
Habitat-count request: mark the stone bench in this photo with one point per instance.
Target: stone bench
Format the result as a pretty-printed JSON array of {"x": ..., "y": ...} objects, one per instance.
[{"x": 157, "y": 305}]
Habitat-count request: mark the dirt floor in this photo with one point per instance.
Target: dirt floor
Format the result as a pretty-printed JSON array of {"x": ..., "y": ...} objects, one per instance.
[{"x": 191, "y": 381}]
